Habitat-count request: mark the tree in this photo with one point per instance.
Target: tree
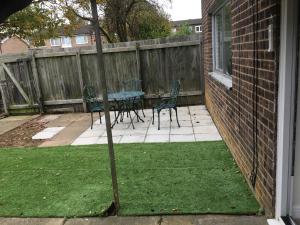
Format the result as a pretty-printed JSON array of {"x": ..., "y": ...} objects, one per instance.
[
  {"x": 149, "y": 22},
  {"x": 115, "y": 15},
  {"x": 35, "y": 23},
  {"x": 184, "y": 29}
]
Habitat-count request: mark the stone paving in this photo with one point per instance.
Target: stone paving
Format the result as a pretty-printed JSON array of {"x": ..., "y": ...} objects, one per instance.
[
  {"x": 196, "y": 125},
  {"x": 142, "y": 220}
]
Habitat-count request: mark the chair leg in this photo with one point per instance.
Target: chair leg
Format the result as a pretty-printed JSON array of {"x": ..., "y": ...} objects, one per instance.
[
  {"x": 158, "y": 112},
  {"x": 137, "y": 115},
  {"x": 92, "y": 119},
  {"x": 115, "y": 116},
  {"x": 170, "y": 112},
  {"x": 131, "y": 119},
  {"x": 177, "y": 116},
  {"x": 152, "y": 116},
  {"x": 100, "y": 117}
]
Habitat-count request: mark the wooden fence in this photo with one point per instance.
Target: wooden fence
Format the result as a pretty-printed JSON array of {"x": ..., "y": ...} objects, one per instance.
[{"x": 52, "y": 80}]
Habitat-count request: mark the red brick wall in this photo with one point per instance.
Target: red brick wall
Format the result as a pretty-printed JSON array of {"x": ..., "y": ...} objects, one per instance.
[{"x": 232, "y": 110}]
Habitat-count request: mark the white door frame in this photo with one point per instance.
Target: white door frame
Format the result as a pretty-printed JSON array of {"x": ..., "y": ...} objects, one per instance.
[{"x": 286, "y": 104}]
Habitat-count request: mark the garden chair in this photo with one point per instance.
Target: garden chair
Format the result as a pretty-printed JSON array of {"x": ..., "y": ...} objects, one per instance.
[
  {"x": 168, "y": 103},
  {"x": 135, "y": 85},
  {"x": 94, "y": 105}
]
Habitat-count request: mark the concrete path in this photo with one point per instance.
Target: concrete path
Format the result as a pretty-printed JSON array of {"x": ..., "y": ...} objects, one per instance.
[
  {"x": 150, "y": 220},
  {"x": 74, "y": 123},
  {"x": 195, "y": 121},
  {"x": 11, "y": 122}
]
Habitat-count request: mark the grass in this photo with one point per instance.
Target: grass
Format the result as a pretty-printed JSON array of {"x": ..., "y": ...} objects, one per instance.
[{"x": 153, "y": 179}]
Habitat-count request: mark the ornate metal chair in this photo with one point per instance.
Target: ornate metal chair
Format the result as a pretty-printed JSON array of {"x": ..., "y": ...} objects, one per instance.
[
  {"x": 94, "y": 105},
  {"x": 168, "y": 103}
]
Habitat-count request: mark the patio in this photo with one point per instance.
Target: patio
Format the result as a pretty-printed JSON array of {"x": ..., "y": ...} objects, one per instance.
[{"x": 195, "y": 121}]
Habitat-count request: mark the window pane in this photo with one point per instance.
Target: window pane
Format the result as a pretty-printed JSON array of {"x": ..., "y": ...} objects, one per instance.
[
  {"x": 81, "y": 40},
  {"x": 227, "y": 40},
  {"x": 55, "y": 41},
  {"x": 218, "y": 40},
  {"x": 66, "y": 42}
]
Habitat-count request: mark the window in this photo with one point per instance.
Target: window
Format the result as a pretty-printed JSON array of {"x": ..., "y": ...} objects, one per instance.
[
  {"x": 66, "y": 42},
  {"x": 222, "y": 40},
  {"x": 55, "y": 42},
  {"x": 82, "y": 39},
  {"x": 198, "y": 29}
]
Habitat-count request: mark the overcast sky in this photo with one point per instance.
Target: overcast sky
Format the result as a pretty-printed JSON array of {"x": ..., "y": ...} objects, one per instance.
[{"x": 184, "y": 9}]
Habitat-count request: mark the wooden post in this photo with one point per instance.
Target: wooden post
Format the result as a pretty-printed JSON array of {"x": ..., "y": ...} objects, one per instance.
[
  {"x": 79, "y": 68},
  {"x": 138, "y": 64},
  {"x": 37, "y": 83},
  {"x": 101, "y": 72},
  {"x": 2, "y": 91}
]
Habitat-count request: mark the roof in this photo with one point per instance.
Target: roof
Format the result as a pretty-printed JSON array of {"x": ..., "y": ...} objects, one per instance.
[
  {"x": 190, "y": 22},
  {"x": 84, "y": 29}
]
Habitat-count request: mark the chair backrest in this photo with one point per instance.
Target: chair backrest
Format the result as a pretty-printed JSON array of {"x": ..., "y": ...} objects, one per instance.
[
  {"x": 132, "y": 85},
  {"x": 89, "y": 93},
  {"x": 175, "y": 88}
]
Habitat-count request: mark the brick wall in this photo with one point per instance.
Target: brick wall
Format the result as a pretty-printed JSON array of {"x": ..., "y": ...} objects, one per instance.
[
  {"x": 13, "y": 45},
  {"x": 233, "y": 110}
]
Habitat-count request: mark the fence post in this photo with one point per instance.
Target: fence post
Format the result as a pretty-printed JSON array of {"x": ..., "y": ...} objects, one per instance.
[
  {"x": 2, "y": 91},
  {"x": 138, "y": 64},
  {"x": 37, "y": 82},
  {"x": 79, "y": 68}
]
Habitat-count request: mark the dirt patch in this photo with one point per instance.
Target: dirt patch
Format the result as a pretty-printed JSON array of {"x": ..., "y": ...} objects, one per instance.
[{"x": 22, "y": 136}]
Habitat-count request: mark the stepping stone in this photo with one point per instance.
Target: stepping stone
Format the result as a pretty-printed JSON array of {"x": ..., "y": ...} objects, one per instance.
[{"x": 47, "y": 133}]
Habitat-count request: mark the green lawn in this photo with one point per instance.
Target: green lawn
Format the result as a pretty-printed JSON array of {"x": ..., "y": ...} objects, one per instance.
[{"x": 153, "y": 179}]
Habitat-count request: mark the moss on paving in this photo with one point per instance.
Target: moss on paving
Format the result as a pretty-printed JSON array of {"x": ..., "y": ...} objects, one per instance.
[{"x": 153, "y": 179}]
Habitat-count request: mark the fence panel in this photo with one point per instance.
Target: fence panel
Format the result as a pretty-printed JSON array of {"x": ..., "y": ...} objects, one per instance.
[{"x": 63, "y": 73}]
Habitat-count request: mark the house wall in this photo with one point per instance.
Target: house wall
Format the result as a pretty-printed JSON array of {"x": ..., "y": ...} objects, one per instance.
[
  {"x": 13, "y": 45},
  {"x": 91, "y": 41},
  {"x": 233, "y": 110}
]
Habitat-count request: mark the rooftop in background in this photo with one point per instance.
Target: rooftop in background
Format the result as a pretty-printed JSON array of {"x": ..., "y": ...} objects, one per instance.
[
  {"x": 83, "y": 29},
  {"x": 191, "y": 22}
]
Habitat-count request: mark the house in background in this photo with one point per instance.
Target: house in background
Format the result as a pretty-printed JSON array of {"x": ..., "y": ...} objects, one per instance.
[
  {"x": 195, "y": 25},
  {"x": 252, "y": 91},
  {"x": 13, "y": 45},
  {"x": 83, "y": 36}
]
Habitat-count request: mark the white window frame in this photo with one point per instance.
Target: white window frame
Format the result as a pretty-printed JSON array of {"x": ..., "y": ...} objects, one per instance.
[
  {"x": 215, "y": 69},
  {"x": 198, "y": 29},
  {"x": 85, "y": 37},
  {"x": 64, "y": 44},
  {"x": 53, "y": 40}
]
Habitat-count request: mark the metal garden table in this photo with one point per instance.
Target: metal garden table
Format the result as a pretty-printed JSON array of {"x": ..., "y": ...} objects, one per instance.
[{"x": 124, "y": 96}]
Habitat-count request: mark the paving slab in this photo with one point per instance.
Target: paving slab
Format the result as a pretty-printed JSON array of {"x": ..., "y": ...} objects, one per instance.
[
  {"x": 161, "y": 138},
  {"x": 32, "y": 221},
  {"x": 11, "y": 122},
  {"x": 132, "y": 139},
  {"x": 208, "y": 137},
  {"x": 151, "y": 220},
  {"x": 182, "y": 130},
  {"x": 47, "y": 133},
  {"x": 182, "y": 138}
]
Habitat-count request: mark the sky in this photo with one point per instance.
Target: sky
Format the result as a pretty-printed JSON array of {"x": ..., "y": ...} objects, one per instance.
[{"x": 184, "y": 9}]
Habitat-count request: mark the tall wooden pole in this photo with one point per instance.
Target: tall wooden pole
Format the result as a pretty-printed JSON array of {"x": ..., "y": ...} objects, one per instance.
[{"x": 101, "y": 70}]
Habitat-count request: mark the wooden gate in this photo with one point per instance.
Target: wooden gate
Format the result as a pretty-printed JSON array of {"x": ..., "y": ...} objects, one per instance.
[{"x": 18, "y": 86}]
